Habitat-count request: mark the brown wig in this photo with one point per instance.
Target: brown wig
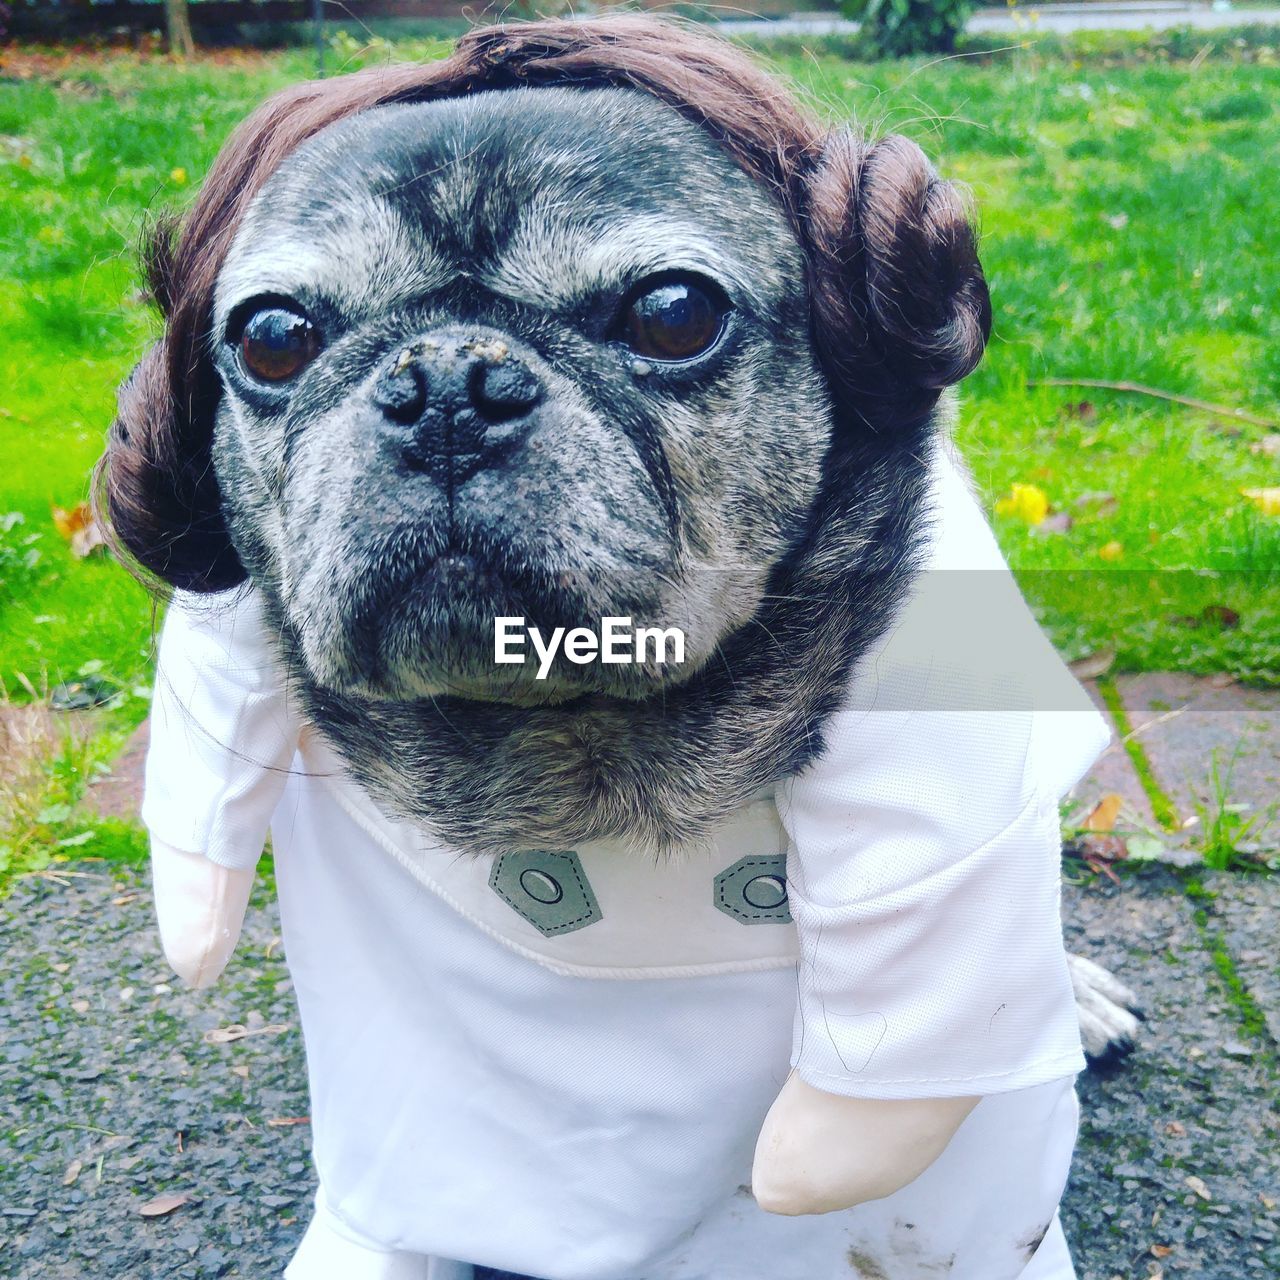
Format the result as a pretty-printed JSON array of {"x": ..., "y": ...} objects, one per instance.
[{"x": 899, "y": 305}]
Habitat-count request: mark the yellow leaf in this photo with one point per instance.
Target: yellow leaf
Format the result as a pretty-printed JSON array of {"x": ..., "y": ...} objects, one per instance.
[
  {"x": 178, "y": 176},
  {"x": 80, "y": 529},
  {"x": 1026, "y": 502},
  {"x": 1266, "y": 500},
  {"x": 1104, "y": 814},
  {"x": 1110, "y": 551}
]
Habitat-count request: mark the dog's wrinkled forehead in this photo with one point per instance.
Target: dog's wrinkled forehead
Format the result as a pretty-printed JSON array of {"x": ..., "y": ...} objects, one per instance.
[{"x": 546, "y": 196}]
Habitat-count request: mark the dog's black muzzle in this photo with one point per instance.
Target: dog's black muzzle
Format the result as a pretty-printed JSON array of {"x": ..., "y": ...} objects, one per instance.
[{"x": 459, "y": 400}]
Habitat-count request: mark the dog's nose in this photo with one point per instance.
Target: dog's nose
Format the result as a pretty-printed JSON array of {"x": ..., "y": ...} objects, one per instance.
[{"x": 466, "y": 399}]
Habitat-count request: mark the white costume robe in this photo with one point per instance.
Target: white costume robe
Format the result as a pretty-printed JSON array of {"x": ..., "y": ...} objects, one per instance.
[{"x": 558, "y": 1064}]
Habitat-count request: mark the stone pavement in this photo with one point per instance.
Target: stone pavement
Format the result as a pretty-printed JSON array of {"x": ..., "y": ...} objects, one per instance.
[
  {"x": 1030, "y": 19},
  {"x": 1177, "y": 1173},
  {"x": 1213, "y": 747}
]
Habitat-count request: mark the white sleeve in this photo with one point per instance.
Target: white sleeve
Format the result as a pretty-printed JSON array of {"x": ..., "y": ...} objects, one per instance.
[
  {"x": 223, "y": 729},
  {"x": 923, "y": 868}
]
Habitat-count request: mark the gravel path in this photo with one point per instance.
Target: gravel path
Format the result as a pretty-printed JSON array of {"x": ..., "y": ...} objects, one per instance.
[{"x": 113, "y": 1095}]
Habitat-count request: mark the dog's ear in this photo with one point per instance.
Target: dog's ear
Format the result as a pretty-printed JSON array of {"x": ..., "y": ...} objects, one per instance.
[
  {"x": 154, "y": 486},
  {"x": 900, "y": 305}
]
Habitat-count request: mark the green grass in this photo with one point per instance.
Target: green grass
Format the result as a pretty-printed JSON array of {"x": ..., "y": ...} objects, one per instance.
[
  {"x": 1228, "y": 828},
  {"x": 1162, "y": 807},
  {"x": 1128, "y": 218},
  {"x": 48, "y": 765},
  {"x": 1251, "y": 1018}
]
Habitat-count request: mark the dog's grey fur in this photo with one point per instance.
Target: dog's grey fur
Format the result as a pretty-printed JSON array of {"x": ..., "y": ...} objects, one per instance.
[{"x": 714, "y": 497}]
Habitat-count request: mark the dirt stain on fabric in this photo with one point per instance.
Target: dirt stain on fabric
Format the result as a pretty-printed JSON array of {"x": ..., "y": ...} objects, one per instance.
[
  {"x": 865, "y": 1267},
  {"x": 1032, "y": 1242}
]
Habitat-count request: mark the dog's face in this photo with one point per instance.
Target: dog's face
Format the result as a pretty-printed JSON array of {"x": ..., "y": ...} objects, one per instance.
[{"x": 536, "y": 352}]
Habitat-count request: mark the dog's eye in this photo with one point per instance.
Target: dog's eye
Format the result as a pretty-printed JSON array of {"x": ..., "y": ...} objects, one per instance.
[
  {"x": 674, "y": 320},
  {"x": 276, "y": 344}
]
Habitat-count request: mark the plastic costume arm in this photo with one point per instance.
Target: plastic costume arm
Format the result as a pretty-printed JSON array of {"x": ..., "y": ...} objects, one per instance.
[
  {"x": 223, "y": 736},
  {"x": 923, "y": 876}
]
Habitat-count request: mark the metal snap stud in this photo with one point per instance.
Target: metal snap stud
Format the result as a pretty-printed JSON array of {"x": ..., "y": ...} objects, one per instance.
[
  {"x": 541, "y": 887},
  {"x": 765, "y": 892}
]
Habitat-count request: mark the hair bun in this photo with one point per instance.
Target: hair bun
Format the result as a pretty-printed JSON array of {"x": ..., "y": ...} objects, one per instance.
[
  {"x": 158, "y": 490},
  {"x": 901, "y": 308}
]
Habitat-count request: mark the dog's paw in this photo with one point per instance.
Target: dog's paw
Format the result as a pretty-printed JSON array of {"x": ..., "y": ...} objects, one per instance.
[{"x": 1108, "y": 1010}]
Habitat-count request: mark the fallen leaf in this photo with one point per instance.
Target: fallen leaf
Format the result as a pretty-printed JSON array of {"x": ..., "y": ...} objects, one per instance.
[
  {"x": 1160, "y": 1250},
  {"x": 1026, "y": 502},
  {"x": 1175, "y": 1129},
  {"x": 80, "y": 529},
  {"x": 1059, "y": 522},
  {"x": 1225, "y": 616},
  {"x": 163, "y": 1205},
  {"x": 124, "y": 899},
  {"x": 1266, "y": 500},
  {"x": 1103, "y": 815},
  {"x": 1218, "y": 615},
  {"x": 1083, "y": 409},
  {"x": 1099, "y": 850},
  {"x": 1096, "y": 664},
  {"x": 228, "y": 1035},
  {"x": 1268, "y": 1202},
  {"x": 1197, "y": 1185},
  {"x": 72, "y": 1173},
  {"x": 1110, "y": 551},
  {"x": 242, "y": 1071},
  {"x": 60, "y": 968},
  {"x": 1268, "y": 446},
  {"x": 284, "y": 1122},
  {"x": 80, "y": 1006}
]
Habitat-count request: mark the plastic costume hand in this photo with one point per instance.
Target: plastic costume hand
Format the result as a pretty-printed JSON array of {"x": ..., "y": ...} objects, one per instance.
[
  {"x": 819, "y": 1152},
  {"x": 223, "y": 737}
]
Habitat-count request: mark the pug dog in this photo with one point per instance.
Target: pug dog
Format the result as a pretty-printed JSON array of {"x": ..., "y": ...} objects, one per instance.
[{"x": 590, "y": 324}]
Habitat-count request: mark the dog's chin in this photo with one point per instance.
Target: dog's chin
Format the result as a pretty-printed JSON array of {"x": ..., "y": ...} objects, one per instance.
[
  {"x": 435, "y": 635},
  {"x": 425, "y": 680}
]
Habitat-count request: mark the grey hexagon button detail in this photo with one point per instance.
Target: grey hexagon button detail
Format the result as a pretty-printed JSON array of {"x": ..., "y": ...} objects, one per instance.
[
  {"x": 754, "y": 890},
  {"x": 549, "y": 890}
]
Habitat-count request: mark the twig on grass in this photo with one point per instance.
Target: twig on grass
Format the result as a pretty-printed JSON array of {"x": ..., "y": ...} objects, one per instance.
[{"x": 1140, "y": 389}]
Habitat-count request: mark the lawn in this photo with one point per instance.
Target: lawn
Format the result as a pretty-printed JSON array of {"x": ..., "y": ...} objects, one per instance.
[{"x": 1128, "y": 207}]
